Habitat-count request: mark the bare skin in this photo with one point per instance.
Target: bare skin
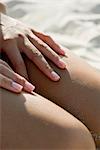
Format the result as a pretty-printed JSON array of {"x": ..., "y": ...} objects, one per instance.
[
  {"x": 3, "y": 7},
  {"x": 78, "y": 95},
  {"x": 78, "y": 92},
  {"x": 18, "y": 37},
  {"x": 32, "y": 122}
]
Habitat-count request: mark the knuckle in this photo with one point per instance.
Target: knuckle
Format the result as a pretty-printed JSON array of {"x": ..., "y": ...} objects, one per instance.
[
  {"x": 26, "y": 42},
  {"x": 44, "y": 47},
  {"x": 4, "y": 82},
  {"x": 47, "y": 48},
  {"x": 40, "y": 43},
  {"x": 37, "y": 54},
  {"x": 48, "y": 67}
]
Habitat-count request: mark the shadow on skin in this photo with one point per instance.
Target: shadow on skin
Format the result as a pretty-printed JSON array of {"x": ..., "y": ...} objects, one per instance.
[
  {"x": 27, "y": 123},
  {"x": 73, "y": 93},
  {"x": 78, "y": 90}
]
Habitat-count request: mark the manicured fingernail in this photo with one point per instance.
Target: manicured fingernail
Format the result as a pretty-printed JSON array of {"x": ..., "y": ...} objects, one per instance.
[
  {"x": 29, "y": 87},
  {"x": 62, "y": 63},
  {"x": 55, "y": 76},
  {"x": 62, "y": 51},
  {"x": 17, "y": 86}
]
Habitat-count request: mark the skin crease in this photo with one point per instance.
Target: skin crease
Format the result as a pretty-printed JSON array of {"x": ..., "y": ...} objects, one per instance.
[{"x": 75, "y": 92}]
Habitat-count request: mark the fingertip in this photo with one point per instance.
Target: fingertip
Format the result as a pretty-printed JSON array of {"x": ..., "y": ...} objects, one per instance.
[
  {"x": 55, "y": 76},
  {"x": 62, "y": 52},
  {"x": 61, "y": 64},
  {"x": 29, "y": 87},
  {"x": 16, "y": 87}
]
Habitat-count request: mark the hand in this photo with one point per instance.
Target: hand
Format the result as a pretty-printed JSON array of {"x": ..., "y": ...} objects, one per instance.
[
  {"x": 12, "y": 81},
  {"x": 17, "y": 38},
  {"x": 2, "y": 7}
]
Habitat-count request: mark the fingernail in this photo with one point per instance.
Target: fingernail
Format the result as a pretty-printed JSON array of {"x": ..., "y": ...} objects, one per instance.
[
  {"x": 62, "y": 52},
  {"x": 62, "y": 63},
  {"x": 55, "y": 76},
  {"x": 29, "y": 87},
  {"x": 17, "y": 86}
]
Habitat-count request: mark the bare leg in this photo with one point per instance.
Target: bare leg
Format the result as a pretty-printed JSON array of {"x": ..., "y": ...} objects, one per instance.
[
  {"x": 78, "y": 91},
  {"x": 32, "y": 122}
]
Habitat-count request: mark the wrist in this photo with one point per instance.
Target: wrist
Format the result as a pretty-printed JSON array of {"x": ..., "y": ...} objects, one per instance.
[{"x": 3, "y": 7}]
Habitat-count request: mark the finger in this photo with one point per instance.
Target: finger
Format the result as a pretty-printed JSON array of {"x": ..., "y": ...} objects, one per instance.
[
  {"x": 17, "y": 78},
  {"x": 50, "y": 42},
  {"x": 9, "y": 84},
  {"x": 15, "y": 57},
  {"x": 5, "y": 64},
  {"x": 48, "y": 52},
  {"x": 34, "y": 55}
]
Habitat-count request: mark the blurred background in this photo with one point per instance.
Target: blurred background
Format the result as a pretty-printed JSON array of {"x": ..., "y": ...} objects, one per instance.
[{"x": 75, "y": 24}]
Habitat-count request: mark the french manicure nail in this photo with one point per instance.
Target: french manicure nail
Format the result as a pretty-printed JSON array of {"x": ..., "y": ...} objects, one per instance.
[
  {"x": 17, "y": 86},
  {"x": 55, "y": 76},
  {"x": 29, "y": 86},
  {"x": 62, "y": 63}
]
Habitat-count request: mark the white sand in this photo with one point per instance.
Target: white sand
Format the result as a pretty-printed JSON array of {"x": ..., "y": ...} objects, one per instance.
[{"x": 73, "y": 23}]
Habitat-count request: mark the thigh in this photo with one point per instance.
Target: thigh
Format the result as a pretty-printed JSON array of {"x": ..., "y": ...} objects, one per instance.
[
  {"x": 78, "y": 91},
  {"x": 32, "y": 122}
]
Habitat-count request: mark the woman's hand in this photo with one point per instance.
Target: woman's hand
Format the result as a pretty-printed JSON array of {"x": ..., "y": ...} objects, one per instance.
[
  {"x": 3, "y": 7},
  {"x": 17, "y": 37},
  {"x": 12, "y": 81}
]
